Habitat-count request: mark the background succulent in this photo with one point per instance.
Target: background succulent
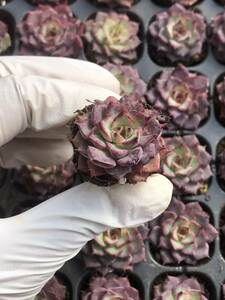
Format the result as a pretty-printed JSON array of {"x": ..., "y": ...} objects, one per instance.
[
  {"x": 217, "y": 40},
  {"x": 53, "y": 290},
  {"x": 129, "y": 78},
  {"x": 110, "y": 287},
  {"x": 179, "y": 287},
  {"x": 112, "y": 37},
  {"x": 120, "y": 140},
  {"x": 46, "y": 182},
  {"x": 187, "y": 165},
  {"x": 220, "y": 98},
  {"x": 182, "y": 233},
  {"x": 117, "y": 3},
  {"x": 181, "y": 94},
  {"x": 52, "y": 31},
  {"x": 116, "y": 249},
  {"x": 5, "y": 39},
  {"x": 177, "y": 35}
]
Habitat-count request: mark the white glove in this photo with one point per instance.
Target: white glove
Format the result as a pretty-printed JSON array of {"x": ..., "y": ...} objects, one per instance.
[{"x": 37, "y": 98}]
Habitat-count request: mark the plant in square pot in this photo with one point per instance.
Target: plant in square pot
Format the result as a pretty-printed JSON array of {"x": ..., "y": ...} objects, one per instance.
[
  {"x": 52, "y": 31},
  {"x": 177, "y": 35},
  {"x": 113, "y": 37},
  {"x": 182, "y": 94},
  {"x": 182, "y": 234}
]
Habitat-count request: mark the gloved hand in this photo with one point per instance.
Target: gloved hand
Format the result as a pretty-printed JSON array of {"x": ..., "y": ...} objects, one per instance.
[{"x": 38, "y": 96}]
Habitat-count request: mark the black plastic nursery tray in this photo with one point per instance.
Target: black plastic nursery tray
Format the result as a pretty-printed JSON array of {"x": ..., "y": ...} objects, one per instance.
[{"x": 212, "y": 270}]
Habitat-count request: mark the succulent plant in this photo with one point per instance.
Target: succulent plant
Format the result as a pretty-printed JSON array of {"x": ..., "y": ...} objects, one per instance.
[
  {"x": 217, "y": 39},
  {"x": 179, "y": 288},
  {"x": 220, "y": 99},
  {"x": 110, "y": 287},
  {"x": 116, "y": 249},
  {"x": 182, "y": 233},
  {"x": 112, "y": 37},
  {"x": 187, "y": 165},
  {"x": 118, "y": 140},
  {"x": 177, "y": 35},
  {"x": 117, "y": 3},
  {"x": 129, "y": 78},
  {"x": 183, "y": 95},
  {"x": 5, "y": 39},
  {"x": 46, "y": 182},
  {"x": 53, "y": 290},
  {"x": 51, "y": 31}
]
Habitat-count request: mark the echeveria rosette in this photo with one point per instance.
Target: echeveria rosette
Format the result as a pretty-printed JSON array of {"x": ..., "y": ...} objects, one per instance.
[
  {"x": 117, "y": 3},
  {"x": 179, "y": 288},
  {"x": 5, "y": 39},
  {"x": 46, "y": 182},
  {"x": 181, "y": 94},
  {"x": 217, "y": 36},
  {"x": 116, "y": 249},
  {"x": 177, "y": 35},
  {"x": 112, "y": 37},
  {"x": 182, "y": 234},
  {"x": 52, "y": 31},
  {"x": 187, "y": 165},
  {"x": 53, "y": 290},
  {"x": 220, "y": 99},
  {"x": 110, "y": 287},
  {"x": 129, "y": 78},
  {"x": 119, "y": 140}
]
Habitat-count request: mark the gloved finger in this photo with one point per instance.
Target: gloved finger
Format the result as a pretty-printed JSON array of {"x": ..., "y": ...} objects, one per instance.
[
  {"x": 54, "y": 231},
  {"x": 59, "y": 68},
  {"x": 38, "y": 152},
  {"x": 39, "y": 103}
]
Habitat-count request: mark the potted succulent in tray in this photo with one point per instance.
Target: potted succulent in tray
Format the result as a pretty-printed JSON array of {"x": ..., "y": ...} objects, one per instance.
[
  {"x": 129, "y": 78},
  {"x": 52, "y": 31},
  {"x": 110, "y": 287},
  {"x": 44, "y": 183},
  {"x": 219, "y": 99},
  {"x": 117, "y": 141},
  {"x": 116, "y": 3},
  {"x": 179, "y": 287},
  {"x": 182, "y": 234},
  {"x": 116, "y": 249},
  {"x": 217, "y": 36},
  {"x": 182, "y": 94},
  {"x": 53, "y": 290},
  {"x": 177, "y": 35},
  {"x": 187, "y": 3},
  {"x": 187, "y": 165},
  {"x": 5, "y": 39},
  {"x": 112, "y": 37}
]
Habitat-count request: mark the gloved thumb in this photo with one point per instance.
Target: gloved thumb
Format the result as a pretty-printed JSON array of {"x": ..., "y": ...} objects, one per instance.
[{"x": 55, "y": 231}]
